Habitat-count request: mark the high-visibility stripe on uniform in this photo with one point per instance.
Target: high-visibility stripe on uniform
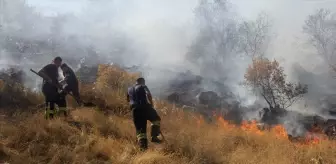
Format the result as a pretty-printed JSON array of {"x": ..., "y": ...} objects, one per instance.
[
  {"x": 157, "y": 123},
  {"x": 141, "y": 136},
  {"x": 48, "y": 112}
]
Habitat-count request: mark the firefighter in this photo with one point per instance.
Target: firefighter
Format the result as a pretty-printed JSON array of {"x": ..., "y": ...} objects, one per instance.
[
  {"x": 141, "y": 104},
  {"x": 50, "y": 85},
  {"x": 69, "y": 84}
]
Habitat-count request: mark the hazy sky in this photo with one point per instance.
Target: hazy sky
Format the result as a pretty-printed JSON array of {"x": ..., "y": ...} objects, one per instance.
[
  {"x": 51, "y": 7},
  {"x": 287, "y": 14},
  {"x": 166, "y": 25},
  {"x": 165, "y": 28},
  {"x": 279, "y": 8}
]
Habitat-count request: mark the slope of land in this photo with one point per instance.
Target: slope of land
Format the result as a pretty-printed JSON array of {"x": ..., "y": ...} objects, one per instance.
[{"x": 105, "y": 134}]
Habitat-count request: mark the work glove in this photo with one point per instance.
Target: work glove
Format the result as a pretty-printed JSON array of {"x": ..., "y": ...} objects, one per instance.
[{"x": 64, "y": 86}]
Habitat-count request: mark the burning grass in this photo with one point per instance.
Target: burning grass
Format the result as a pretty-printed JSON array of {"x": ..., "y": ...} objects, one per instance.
[{"x": 89, "y": 136}]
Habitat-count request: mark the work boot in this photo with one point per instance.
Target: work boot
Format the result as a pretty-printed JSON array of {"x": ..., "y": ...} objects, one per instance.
[
  {"x": 156, "y": 140},
  {"x": 155, "y": 132},
  {"x": 143, "y": 144},
  {"x": 49, "y": 114}
]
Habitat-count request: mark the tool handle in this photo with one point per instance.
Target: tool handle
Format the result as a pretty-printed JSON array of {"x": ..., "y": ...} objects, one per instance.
[
  {"x": 53, "y": 84},
  {"x": 35, "y": 72}
]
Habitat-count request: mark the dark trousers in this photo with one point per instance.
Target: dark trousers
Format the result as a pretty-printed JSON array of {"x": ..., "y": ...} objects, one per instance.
[
  {"x": 140, "y": 116},
  {"x": 50, "y": 93},
  {"x": 61, "y": 102}
]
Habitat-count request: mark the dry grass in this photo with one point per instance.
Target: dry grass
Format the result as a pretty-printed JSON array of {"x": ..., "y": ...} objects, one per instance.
[
  {"x": 15, "y": 96},
  {"x": 89, "y": 136},
  {"x": 109, "y": 91}
]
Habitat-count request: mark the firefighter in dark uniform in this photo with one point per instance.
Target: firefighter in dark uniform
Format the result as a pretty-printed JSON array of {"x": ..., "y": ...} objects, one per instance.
[
  {"x": 69, "y": 84},
  {"x": 141, "y": 103},
  {"x": 50, "y": 86}
]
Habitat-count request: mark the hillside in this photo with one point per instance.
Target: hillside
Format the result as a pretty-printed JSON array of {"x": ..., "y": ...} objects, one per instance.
[{"x": 106, "y": 134}]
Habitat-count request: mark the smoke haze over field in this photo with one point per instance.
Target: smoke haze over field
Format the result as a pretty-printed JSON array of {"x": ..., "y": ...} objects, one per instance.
[{"x": 159, "y": 34}]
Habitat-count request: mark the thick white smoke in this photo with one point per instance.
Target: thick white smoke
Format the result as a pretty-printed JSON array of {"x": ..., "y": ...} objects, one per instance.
[{"x": 157, "y": 35}]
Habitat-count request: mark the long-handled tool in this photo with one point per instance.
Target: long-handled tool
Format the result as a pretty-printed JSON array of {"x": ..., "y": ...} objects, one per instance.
[{"x": 79, "y": 102}]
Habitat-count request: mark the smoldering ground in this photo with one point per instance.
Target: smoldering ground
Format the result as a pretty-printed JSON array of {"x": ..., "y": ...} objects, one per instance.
[{"x": 162, "y": 38}]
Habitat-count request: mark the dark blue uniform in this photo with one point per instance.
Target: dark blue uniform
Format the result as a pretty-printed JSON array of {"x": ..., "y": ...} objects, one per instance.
[
  {"x": 142, "y": 111},
  {"x": 50, "y": 91},
  {"x": 138, "y": 95},
  {"x": 72, "y": 86},
  {"x": 71, "y": 80}
]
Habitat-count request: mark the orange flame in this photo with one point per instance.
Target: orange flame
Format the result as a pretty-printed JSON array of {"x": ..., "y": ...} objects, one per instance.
[
  {"x": 316, "y": 136},
  {"x": 225, "y": 124},
  {"x": 251, "y": 127},
  {"x": 279, "y": 131}
]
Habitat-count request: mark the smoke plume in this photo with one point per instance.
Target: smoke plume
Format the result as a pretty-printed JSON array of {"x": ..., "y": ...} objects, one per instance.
[{"x": 209, "y": 38}]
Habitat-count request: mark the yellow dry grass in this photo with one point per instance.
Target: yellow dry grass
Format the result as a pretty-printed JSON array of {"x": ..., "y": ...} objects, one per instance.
[
  {"x": 109, "y": 91},
  {"x": 89, "y": 136}
]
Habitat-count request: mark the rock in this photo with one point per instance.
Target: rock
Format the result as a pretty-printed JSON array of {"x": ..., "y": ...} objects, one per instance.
[
  {"x": 181, "y": 98},
  {"x": 174, "y": 98},
  {"x": 209, "y": 98}
]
